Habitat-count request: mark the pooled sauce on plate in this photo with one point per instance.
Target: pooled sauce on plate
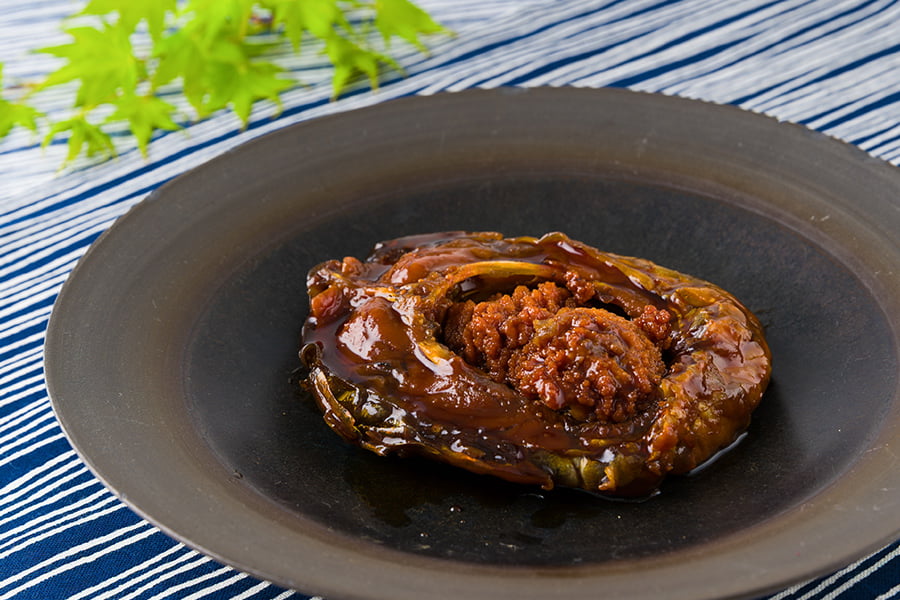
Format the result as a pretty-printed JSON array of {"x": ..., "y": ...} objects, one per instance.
[{"x": 538, "y": 360}]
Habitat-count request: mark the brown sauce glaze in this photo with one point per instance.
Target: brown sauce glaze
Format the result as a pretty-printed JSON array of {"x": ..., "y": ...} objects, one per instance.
[{"x": 538, "y": 360}]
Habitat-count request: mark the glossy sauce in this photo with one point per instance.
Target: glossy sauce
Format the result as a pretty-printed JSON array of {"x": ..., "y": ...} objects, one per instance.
[{"x": 379, "y": 337}]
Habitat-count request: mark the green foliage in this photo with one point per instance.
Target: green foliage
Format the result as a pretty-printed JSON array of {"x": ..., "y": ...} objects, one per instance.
[
  {"x": 351, "y": 59},
  {"x": 212, "y": 52},
  {"x": 144, "y": 115},
  {"x": 82, "y": 134},
  {"x": 318, "y": 17},
  {"x": 100, "y": 60},
  {"x": 15, "y": 113},
  {"x": 132, "y": 12},
  {"x": 404, "y": 19}
]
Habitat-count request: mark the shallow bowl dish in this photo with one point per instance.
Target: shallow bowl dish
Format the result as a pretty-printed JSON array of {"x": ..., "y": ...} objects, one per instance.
[{"x": 171, "y": 354}]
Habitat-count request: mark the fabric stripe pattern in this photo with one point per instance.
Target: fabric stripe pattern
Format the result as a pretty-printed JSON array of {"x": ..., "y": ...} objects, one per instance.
[{"x": 831, "y": 66}]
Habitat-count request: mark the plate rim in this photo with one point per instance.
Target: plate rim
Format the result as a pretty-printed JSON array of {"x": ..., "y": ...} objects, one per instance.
[{"x": 56, "y": 332}]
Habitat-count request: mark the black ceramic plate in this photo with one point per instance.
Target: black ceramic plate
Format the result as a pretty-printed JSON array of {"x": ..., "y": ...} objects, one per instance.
[{"x": 172, "y": 350}]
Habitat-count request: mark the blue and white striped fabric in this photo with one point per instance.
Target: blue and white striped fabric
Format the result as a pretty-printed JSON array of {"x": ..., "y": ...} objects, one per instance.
[{"x": 831, "y": 65}]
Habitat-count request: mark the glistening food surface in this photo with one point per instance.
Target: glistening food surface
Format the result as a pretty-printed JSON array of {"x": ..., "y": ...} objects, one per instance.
[{"x": 541, "y": 361}]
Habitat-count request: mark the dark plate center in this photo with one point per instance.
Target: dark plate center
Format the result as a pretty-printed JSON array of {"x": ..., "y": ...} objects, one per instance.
[{"x": 829, "y": 341}]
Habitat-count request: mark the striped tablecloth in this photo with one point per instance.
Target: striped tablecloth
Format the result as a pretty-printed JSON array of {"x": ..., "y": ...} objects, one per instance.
[{"x": 833, "y": 66}]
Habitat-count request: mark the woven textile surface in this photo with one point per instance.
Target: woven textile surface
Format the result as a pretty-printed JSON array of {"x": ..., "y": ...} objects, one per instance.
[{"x": 831, "y": 66}]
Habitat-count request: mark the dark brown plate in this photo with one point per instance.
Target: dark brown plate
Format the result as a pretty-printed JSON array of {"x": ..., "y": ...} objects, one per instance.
[{"x": 172, "y": 348}]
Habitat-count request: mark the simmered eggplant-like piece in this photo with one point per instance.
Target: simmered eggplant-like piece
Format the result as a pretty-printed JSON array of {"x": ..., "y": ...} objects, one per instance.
[{"x": 541, "y": 361}]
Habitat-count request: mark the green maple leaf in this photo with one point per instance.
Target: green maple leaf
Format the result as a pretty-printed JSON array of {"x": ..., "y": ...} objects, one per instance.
[
  {"x": 220, "y": 74},
  {"x": 81, "y": 133},
  {"x": 101, "y": 59},
  {"x": 319, "y": 17},
  {"x": 404, "y": 19},
  {"x": 214, "y": 69},
  {"x": 242, "y": 84},
  {"x": 210, "y": 50},
  {"x": 351, "y": 59},
  {"x": 217, "y": 18},
  {"x": 132, "y": 12},
  {"x": 15, "y": 113},
  {"x": 181, "y": 55},
  {"x": 144, "y": 114}
]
